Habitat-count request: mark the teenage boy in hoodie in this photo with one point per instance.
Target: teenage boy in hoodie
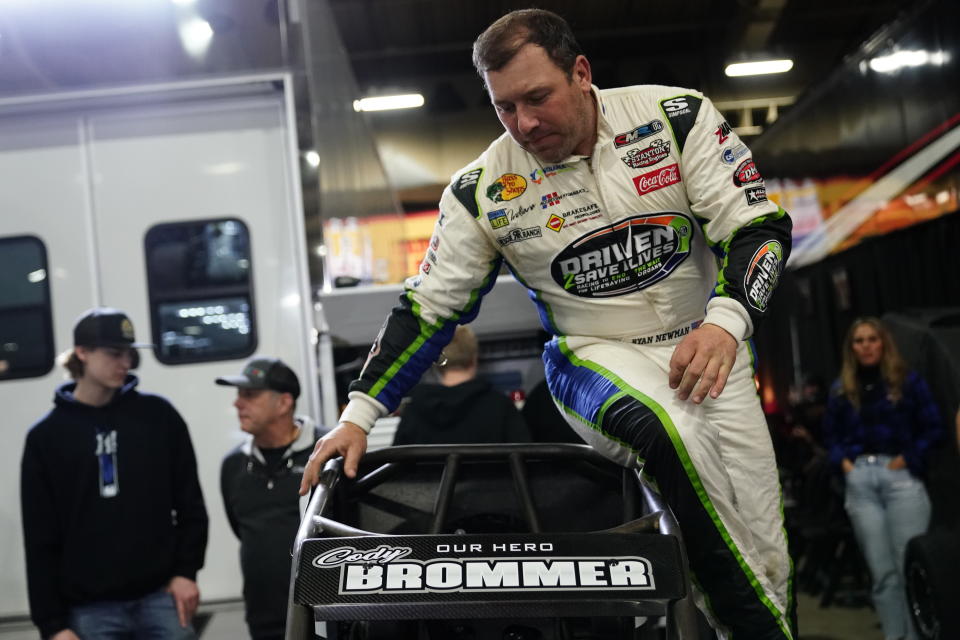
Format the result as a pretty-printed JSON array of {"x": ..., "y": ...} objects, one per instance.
[
  {"x": 462, "y": 409},
  {"x": 259, "y": 481},
  {"x": 114, "y": 523}
]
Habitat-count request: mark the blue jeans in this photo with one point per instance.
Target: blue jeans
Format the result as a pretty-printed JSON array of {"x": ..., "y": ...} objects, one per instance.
[
  {"x": 887, "y": 509},
  {"x": 152, "y": 617}
]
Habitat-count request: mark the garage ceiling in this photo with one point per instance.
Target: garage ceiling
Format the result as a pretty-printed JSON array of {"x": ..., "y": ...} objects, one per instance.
[
  {"x": 426, "y": 43},
  {"x": 49, "y": 45}
]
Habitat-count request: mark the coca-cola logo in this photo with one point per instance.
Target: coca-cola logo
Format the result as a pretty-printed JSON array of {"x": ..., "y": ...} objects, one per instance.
[
  {"x": 657, "y": 179},
  {"x": 746, "y": 173}
]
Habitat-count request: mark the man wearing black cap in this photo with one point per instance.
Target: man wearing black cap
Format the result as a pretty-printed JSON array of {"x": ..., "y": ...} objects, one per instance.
[
  {"x": 259, "y": 481},
  {"x": 114, "y": 523}
]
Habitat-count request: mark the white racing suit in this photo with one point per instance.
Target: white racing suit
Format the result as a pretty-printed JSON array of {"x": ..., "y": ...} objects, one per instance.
[{"x": 667, "y": 225}]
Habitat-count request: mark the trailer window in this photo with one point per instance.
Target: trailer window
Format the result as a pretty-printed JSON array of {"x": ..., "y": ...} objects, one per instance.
[
  {"x": 201, "y": 294},
  {"x": 26, "y": 321}
]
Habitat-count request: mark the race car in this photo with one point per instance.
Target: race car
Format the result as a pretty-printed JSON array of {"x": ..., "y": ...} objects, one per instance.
[{"x": 519, "y": 542}]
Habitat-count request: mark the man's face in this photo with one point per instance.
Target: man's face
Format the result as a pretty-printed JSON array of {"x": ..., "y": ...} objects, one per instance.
[
  {"x": 106, "y": 366},
  {"x": 545, "y": 112},
  {"x": 257, "y": 409}
]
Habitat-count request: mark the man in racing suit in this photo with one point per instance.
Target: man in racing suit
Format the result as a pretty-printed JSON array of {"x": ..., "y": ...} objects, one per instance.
[{"x": 640, "y": 225}]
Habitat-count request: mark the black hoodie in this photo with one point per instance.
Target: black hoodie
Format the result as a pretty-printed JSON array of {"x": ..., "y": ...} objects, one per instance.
[
  {"x": 86, "y": 543},
  {"x": 470, "y": 412}
]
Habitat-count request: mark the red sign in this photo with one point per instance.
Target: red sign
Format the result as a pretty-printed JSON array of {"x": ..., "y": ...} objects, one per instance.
[
  {"x": 657, "y": 179},
  {"x": 746, "y": 173},
  {"x": 555, "y": 223}
]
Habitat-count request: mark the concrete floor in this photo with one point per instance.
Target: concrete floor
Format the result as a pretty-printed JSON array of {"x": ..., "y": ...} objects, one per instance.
[{"x": 834, "y": 623}]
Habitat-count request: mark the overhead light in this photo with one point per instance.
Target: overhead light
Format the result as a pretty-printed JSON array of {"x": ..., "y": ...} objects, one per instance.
[
  {"x": 384, "y": 103},
  {"x": 758, "y": 68},
  {"x": 196, "y": 33},
  {"x": 899, "y": 59},
  {"x": 312, "y": 158}
]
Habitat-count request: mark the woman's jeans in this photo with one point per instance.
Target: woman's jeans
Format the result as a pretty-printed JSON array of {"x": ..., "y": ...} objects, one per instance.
[
  {"x": 152, "y": 617},
  {"x": 887, "y": 509}
]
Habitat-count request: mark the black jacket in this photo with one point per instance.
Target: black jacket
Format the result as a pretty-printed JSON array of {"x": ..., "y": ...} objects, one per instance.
[
  {"x": 470, "y": 412},
  {"x": 263, "y": 508},
  {"x": 544, "y": 420},
  {"x": 85, "y": 543}
]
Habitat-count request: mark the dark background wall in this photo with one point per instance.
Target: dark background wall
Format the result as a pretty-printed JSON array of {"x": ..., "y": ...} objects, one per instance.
[
  {"x": 852, "y": 125},
  {"x": 857, "y": 119}
]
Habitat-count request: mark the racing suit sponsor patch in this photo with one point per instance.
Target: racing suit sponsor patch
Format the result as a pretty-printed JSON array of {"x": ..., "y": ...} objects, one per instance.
[
  {"x": 637, "y": 134},
  {"x": 582, "y": 212},
  {"x": 656, "y": 152},
  {"x": 763, "y": 273},
  {"x": 498, "y": 218},
  {"x": 555, "y": 223},
  {"x": 537, "y": 175},
  {"x": 549, "y": 200},
  {"x": 755, "y": 195},
  {"x": 732, "y": 154},
  {"x": 516, "y": 214},
  {"x": 746, "y": 173},
  {"x": 723, "y": 132},
  {"x": 657, "y": 179},
  {"x": 681, "y": 113},
  {"x": 624, "y": 257},
  {"x": 675, "y": 107},
  {"x": 464, "y": 189},
  {"x": 507, "y": 187},
  {"x": 519, "y": 235}
]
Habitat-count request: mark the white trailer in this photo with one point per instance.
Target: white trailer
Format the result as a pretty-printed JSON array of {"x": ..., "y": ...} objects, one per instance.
[{"x": 180, "y": 204}]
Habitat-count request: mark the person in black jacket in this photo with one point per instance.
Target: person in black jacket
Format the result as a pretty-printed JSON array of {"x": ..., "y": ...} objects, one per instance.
[
  {"x": 259, "y": 481},
  {"x": 462, "y": 409},
  {"x": 114, "y": 522}
]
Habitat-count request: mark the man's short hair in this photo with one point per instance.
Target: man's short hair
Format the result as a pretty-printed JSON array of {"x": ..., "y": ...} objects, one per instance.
[
  {"x": 462, "y": 351},
  {"x": 497, "y": 45}
]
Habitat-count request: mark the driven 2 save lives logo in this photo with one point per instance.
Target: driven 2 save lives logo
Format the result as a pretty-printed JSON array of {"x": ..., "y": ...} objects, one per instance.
[
  {"x": 763, "y": 273},
  {"x": 624, "y": 257}
]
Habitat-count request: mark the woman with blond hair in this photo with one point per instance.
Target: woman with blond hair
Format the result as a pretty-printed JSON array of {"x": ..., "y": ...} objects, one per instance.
[{"x": 880, "y": 422}]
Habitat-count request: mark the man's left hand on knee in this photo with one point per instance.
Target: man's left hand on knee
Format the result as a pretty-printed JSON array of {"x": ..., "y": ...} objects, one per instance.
[{"x": 701, "y": 363}]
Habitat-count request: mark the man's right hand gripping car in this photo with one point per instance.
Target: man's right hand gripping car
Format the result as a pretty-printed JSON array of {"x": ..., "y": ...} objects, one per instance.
[{"x": 527, "y": 542}]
